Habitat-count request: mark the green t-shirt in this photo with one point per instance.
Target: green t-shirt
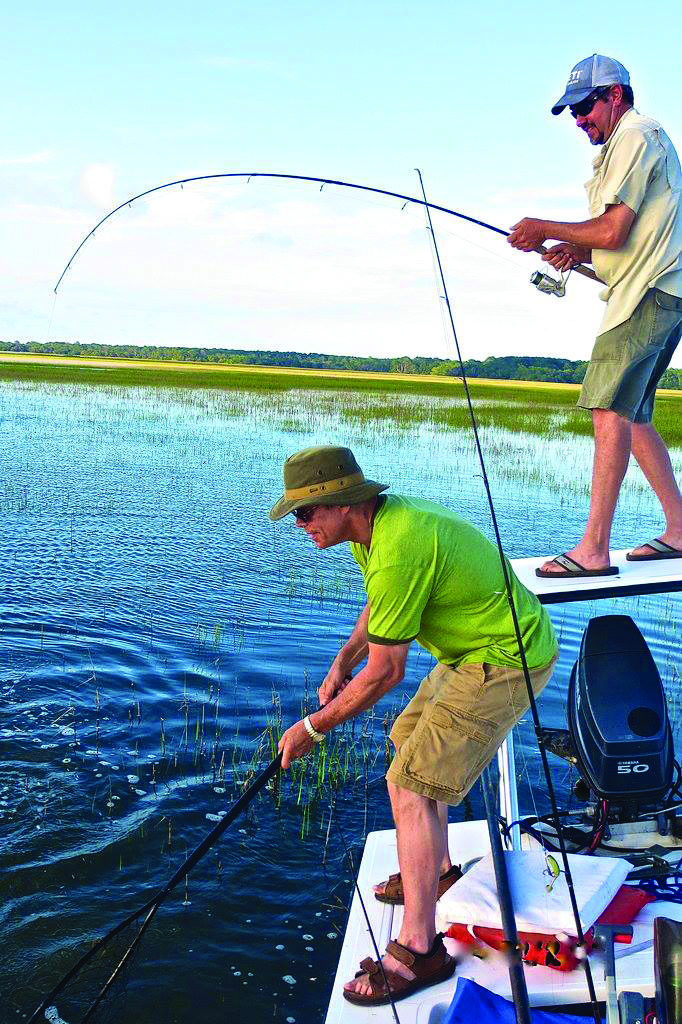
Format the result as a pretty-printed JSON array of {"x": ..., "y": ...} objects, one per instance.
[{"x": 431, "y": 576}]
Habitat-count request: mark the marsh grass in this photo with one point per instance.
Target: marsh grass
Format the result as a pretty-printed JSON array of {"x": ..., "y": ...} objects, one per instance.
[{"x": 529, "y": 407}]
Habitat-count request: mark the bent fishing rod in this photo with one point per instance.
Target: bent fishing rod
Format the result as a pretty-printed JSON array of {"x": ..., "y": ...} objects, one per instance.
[
  {"x": 542, "y": 281},
  {"x": 152, "y": 905}
]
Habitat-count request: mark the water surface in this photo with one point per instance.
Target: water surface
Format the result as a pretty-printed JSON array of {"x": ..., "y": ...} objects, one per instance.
[{"x": 154, "y": 621}]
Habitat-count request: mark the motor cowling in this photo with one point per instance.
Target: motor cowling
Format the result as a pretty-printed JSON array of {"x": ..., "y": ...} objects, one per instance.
[{"x": 617, "y": 714}]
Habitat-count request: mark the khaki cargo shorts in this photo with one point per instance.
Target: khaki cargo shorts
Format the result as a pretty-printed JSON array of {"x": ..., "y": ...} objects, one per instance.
[
  {"x": 628, "y": 361},
  {"x": 453, "y": 726}
]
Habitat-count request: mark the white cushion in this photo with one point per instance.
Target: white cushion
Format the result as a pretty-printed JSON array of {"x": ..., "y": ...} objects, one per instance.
[{"x": 473, "y": 899}]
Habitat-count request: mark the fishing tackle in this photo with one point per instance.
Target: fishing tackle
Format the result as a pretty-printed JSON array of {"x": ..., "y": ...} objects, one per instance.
[
  {"x": 150, "y": 908},
  {"x": 585, "y": 271},
  {"x": 549, "y": 285}
]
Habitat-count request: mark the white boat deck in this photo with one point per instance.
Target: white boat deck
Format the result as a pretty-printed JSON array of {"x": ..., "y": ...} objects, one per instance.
[
  {"x": 546, "y": 987},
  {"x": 659, "y": 577}
]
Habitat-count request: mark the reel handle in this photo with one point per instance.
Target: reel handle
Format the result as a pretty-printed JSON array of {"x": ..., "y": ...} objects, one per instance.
[{"x": 579, "y": 269}]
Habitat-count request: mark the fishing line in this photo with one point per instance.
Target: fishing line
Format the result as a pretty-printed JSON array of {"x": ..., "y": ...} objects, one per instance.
[
  {"x": 300, "y": 177},
  {"x": 517, "y": 628},
  {"x": 152, "y": 905},
  {"x": 351, "y": 866}
]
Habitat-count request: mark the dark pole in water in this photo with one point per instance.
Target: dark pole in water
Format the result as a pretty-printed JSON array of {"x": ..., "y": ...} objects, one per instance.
[{"x": 517, "y": 978}]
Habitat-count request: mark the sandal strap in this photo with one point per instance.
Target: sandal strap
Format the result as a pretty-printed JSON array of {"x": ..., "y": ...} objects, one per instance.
[
  {"x": 658, "y": 545},
  {"x": 375, "y": 977},
  {"x": 566, "y": 562},
  {"x": 402, "y": 953},
  {"x": 417, "y": 962},
  {"x": 369, "y": 967}
]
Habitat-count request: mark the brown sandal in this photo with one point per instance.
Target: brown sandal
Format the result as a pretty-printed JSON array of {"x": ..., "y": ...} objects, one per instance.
[
  {"x": 428, "y": 968},
  {"x": 393, "y": 888}
]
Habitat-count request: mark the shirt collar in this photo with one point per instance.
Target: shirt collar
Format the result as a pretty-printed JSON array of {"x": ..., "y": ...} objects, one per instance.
[{"x": 601, "y": 155}]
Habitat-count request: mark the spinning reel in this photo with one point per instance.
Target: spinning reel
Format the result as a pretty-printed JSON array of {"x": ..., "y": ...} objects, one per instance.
[{"x": 548, "y": 284}]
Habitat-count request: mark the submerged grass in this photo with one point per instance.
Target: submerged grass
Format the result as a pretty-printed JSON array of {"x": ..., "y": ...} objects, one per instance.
[{"x": 540, "y": 409}]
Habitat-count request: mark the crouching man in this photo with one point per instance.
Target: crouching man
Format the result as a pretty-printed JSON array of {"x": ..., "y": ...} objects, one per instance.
[{"x": 429, "y": 576}]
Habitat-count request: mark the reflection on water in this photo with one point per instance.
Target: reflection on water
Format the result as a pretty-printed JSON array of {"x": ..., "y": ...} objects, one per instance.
[{"x": 154, "y": 622}]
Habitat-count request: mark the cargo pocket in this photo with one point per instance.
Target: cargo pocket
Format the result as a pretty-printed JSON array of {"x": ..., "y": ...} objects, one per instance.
[
  {"x": 667, "y": 301},
  {"x": 454, "y": 747}
]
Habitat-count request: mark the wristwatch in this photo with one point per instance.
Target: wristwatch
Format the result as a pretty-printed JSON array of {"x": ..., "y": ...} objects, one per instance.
[{"x": 315, "y": 736}]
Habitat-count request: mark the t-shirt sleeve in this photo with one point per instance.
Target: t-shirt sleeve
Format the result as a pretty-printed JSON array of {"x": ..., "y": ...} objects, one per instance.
[
  {"x": 396, "y": 600},
  {"x": 636, "y": 160}
]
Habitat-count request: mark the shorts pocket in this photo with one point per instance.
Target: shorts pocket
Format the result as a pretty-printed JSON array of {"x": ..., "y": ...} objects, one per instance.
[
  {"x": 451, "y": 750},
  {"x": 476, "y": 728},
  {"x": 667, "y": 301}
]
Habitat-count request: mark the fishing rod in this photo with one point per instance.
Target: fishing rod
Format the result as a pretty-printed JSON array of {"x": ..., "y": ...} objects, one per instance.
[
  {"x": 521, "y": 1009},
  {"x": 152, "y": 905},
  {"x": 517, "y": 978},
  {"x": 543, "y": 282}
]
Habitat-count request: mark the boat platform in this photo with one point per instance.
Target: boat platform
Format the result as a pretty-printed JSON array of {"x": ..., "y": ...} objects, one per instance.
[
  {"x": 546, "y": 987},
  {"x": 656, "y": 577}
]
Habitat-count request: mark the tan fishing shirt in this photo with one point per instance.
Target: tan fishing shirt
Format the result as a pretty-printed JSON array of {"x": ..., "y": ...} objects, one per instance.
[{"x": 638, "y": 166}]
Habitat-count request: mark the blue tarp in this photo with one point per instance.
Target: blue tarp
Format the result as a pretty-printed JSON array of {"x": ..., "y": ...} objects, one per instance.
[{"x": 472, "y": 1002}]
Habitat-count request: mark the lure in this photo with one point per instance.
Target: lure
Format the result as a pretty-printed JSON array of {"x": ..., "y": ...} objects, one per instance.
[{"x": 553, "y": 870}]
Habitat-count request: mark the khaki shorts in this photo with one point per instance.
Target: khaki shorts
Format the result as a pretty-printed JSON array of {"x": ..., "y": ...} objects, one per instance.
[
  {"x": 628, "y": 361},
  {"x": 453, "y": 726}
]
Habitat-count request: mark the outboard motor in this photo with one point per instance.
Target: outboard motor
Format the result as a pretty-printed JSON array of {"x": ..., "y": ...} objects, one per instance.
[{"x": 617, "y": 715}]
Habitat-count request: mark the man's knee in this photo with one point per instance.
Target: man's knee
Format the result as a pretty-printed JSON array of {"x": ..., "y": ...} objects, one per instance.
[
  {"x": 609, "y": 418},
  {"x": 644, "y": 432},
  {"x": 406, "y": 799}
]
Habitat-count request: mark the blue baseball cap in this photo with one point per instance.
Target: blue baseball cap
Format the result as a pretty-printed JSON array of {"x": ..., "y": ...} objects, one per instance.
[{"x": 588, "y": 75}]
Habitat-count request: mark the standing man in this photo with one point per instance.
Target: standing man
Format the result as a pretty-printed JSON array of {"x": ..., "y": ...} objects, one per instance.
[
  {"x": 431, "y": 577},
  {"x": 634, "y": 241}
]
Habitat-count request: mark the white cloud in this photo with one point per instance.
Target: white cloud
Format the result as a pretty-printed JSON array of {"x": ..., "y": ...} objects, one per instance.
[
  {"x": 97, "y": 185},
  {"x": 29, "y": 158}
]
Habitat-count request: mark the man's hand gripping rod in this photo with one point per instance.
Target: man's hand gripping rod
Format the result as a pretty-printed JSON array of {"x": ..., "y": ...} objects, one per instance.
[{"x": 550, "y": 286}]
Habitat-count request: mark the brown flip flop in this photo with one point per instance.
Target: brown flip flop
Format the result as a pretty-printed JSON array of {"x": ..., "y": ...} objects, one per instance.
[
  {"x": 659, "y": 551},
  {"x": 573, "y": 570},
  {"x": 395, "y": 895},
  {"x": 428, "y": 968}
]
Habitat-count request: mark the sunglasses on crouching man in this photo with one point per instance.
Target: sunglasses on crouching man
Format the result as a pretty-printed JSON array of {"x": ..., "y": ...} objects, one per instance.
[
  {"x": 585, "y": 106},
  {"x": 304, "y": 515}
]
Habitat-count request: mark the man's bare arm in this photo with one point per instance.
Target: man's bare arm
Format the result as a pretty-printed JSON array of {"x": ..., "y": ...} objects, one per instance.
[
  {"x": 351, "y": 654},
  {"x": 608, "y": 231},
  {"x": 384, "y": 669}
]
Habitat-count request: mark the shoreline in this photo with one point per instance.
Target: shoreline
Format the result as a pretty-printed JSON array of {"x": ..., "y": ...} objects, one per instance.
[{"x": 39, "y": 365}]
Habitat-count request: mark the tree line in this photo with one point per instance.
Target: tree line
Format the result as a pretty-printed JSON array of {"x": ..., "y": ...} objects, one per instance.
[{"x": 532, "y": 368}]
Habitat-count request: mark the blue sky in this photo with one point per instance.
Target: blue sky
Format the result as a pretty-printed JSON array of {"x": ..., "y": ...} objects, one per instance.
[{"x": 101, "y": 105}]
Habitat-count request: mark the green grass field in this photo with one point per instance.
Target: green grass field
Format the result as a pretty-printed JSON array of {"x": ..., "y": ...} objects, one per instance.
[{"x": 537, "y": 408}]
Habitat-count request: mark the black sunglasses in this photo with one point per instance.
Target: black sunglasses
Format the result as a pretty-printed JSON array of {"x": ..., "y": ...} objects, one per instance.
[
  {"x": 304, "y": 515},
  {"x": 585, "y": 106}
]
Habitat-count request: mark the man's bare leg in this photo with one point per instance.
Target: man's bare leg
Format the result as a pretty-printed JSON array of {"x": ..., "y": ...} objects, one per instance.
[
  {"x": 446, "y": 863},
  {"x": 653, "y": 458},
  {"x": 421, "y": 853},
  {"x": 612, "y": 443}
]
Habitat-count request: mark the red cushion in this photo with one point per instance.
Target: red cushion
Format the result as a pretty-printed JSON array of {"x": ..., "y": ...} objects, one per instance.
[
  {"x": 625, "y": 905},
  {"x": 548, "y": 950}
]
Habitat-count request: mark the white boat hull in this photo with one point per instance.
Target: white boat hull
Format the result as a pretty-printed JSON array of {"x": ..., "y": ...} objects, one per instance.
[{"x": 546, "y": 987}]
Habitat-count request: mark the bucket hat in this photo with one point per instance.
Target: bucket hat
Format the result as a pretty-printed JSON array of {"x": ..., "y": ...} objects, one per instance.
[
  {"x": 587, "y": 76},
  {"x": 324, "y": 475}
]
